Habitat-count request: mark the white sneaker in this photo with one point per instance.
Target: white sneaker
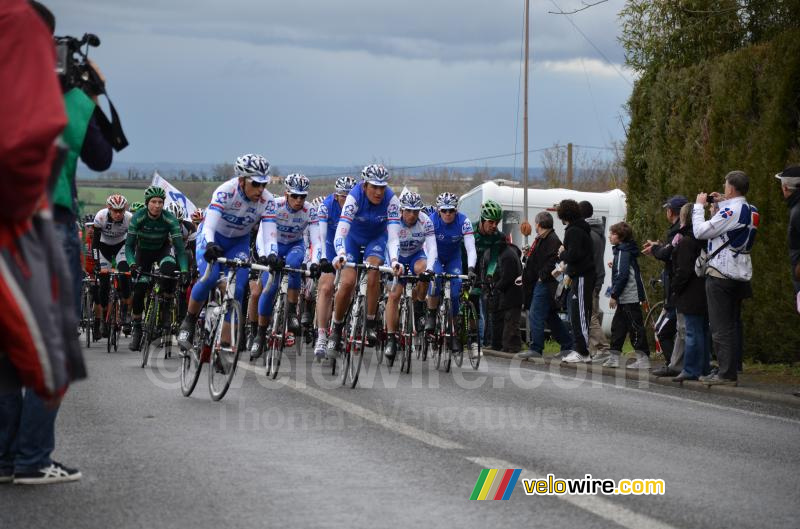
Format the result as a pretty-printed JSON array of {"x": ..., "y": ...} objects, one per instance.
[
  {"x": 576, "y": 358},
  {"x": 642, "y": 361},
  {"x": 612, "y": 361},
  {"x": 600, "y": 357}
]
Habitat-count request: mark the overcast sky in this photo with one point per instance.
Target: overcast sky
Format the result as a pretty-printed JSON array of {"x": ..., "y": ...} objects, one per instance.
[{"x": 352, "y": 81}]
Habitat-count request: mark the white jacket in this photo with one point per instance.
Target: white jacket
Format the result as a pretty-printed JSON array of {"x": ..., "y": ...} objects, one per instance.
[{"x": 728, "y": 262}]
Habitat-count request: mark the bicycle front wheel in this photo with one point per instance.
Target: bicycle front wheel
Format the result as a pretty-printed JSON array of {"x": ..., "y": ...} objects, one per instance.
[
  {"x": 191, "y": 364},
  {"x": 277, "y": 338},
  {"x": 469, "y": 336},
  {"x": 407, "y": 337},
  {"x": 225, "y": 350},
  {"x": 149, "y": 330}
]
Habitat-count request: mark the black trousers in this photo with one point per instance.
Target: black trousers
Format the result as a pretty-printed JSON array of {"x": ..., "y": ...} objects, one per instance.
[
  {"x": 580, "y": 311},
  {"x": 724, "y": 312},
  {"x": 628, "y": 320}
]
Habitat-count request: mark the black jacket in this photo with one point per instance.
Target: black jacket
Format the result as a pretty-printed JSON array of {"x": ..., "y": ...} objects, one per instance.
[
  {"x": 794, "y": 228},
  {"x": 599, "y": 248},
  {"x": 688, "y": 290},
  {"x": 540, "y": 262},
  {"x": 578, "y": 250},
  {"x": 663, "y": 252},
  {"x": 507, "y": 294}
]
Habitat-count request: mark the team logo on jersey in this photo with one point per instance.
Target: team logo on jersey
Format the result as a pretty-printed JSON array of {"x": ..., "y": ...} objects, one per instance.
[
  {"x": 726, "y": 213},
  {"x": 222, "y": 196},
  {"x": 394, "y": 210},
  {"x": 349, "y": 210},
  {"x": 237, "y": 204}
]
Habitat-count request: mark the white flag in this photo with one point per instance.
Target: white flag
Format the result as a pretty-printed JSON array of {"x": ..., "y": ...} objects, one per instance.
[{"x": 173, "y": 194}]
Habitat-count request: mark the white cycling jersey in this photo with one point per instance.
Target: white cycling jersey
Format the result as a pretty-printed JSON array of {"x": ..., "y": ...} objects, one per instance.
[
  {"x": 291, "y": 226},
  {"x": 111, "y": 232},
  {"x": 232, "y": 215},
  {"x": 415, "y": 238}
]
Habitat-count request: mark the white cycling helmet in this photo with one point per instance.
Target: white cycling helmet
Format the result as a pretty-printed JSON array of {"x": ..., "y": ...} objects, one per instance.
[
  {"x": 176, "y": 209},
  {"x": 447, "y": 200},
  {"x": 344, "y": 184},
  {"x": 296, "y": 184},
  {"x": 375, "y": 174},
  {"x": 117, "y": 201},
  {"x": 411, "y": 201},
  {"x": 252, "y": 166}
]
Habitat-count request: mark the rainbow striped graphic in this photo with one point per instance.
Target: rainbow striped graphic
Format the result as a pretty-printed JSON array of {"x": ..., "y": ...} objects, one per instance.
[{"x": 495, "y": 484}]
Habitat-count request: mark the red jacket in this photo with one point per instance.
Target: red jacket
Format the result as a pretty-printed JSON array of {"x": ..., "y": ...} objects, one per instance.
[{"x": 32, "y": 109}]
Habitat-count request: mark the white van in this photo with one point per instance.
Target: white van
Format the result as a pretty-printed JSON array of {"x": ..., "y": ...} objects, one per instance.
[{"x": 608, "y": 206}]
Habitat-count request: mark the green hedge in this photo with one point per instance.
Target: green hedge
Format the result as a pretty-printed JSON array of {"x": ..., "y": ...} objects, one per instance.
[{"x": 689, "y": 127}]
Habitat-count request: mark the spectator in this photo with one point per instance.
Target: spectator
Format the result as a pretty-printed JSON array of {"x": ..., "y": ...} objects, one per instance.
[
  {"x": 40, "y": 353},
  {"x": 598, "y": 345},
  {"x": 539, "y": 286},
  {"x": 790, "y": 186},
  {"x": 729, "y": 232},
  {"x": 666, "y": 325},
  {"x": 627, "y": 294},
  {"x": 506, "y": 299},
  {"x": 690, "y": 300},
  {"x": 578, "y": 255}
]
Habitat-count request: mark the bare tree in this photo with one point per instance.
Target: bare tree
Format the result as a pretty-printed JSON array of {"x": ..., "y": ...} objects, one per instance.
[
  {"x": 222, "y": 171},
  {"x": 554, "y": 162}
]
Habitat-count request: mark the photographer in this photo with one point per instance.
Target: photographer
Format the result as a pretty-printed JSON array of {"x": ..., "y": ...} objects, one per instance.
[
  {"x": 40, "y": 351},
  {"x": 729, "y": 232}
]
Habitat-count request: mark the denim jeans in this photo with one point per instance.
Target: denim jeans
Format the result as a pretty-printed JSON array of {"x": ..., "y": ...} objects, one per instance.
[
  {"x": 696, "y": 355},
  {"x": 67, "y": 235},
  {"x": 27, "y": 432},
  {"x": 543, "y": 311}
]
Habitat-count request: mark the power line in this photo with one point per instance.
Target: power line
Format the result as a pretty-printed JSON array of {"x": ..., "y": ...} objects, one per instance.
[{"x": 598, "y": 50}]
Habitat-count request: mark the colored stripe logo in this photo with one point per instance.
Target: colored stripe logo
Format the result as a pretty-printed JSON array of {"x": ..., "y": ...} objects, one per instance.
[{"x": 495, "y": 484}]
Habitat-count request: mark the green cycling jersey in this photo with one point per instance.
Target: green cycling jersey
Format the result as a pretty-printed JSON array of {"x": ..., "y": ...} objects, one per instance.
[{"x": 151, "y": 234}]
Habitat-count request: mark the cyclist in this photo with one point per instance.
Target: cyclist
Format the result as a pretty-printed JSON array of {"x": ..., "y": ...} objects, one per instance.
[
  {"x": 88, "y": 268},
  {"x": 108, "y": 249},
  {"x": 417, "y": 248},
  {"x": 487, "y": 238},
  {"x": 189, "y": 233},
  {"x": 135, "y": 206},
  {"x": 292, "y": 217},
  {"x": 152, "y": 235},
  {"x": 453, "y": 231},
  {"x": 329, "y": 212},
  {"x": 368, "y": 228},
  {"x": 197, "y": 216},
  {"x": 236, "y": 207}
]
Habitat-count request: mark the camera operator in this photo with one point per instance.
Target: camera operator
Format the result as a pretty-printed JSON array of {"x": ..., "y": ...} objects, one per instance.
[{"x": 40, "y": 350}]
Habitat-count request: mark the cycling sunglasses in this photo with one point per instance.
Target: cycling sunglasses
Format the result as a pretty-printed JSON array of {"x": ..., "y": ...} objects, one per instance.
[
  {"x": 447, "y": 211},
  {"x": 257, "y": 184},
  {"x": 296, "y": 196}
]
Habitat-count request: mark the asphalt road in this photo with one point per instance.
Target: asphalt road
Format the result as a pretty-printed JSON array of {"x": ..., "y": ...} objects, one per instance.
[{"x": 405, "y": 450}]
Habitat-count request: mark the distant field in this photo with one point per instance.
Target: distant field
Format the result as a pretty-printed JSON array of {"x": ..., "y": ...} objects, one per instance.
[{"x": 94, "y": 198}]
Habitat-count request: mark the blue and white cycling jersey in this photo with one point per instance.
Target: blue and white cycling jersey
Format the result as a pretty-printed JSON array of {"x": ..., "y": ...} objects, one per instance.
[
  {"x": 362, "y": 221},
  {"x": 329, "y": 212},
  {"x": 450, "y": 236},
  {"x": 418, "y": 237},
  {"x": 291, "y": 225},
  {"x": 232, "y": 215}
]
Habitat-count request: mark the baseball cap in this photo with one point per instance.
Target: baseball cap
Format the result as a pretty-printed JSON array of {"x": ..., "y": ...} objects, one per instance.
[
  {"x": 790, "y": 175},
  {"x": 675, "y": 202}
]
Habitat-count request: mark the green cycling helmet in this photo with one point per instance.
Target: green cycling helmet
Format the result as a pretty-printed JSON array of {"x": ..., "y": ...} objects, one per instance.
[
  {"x": 154, "y": 192},
  {"x": 136, "y": 206},
  {"x": 491, "y": 210}
]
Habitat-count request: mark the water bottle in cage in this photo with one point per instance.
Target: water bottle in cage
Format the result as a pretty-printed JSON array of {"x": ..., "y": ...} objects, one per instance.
[{"x": 212, "y": 313}]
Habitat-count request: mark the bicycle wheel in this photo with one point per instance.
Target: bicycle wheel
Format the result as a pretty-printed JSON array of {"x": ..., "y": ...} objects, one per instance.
[
  {"x": 225, "y": 353},
  {"x": 149, "y": 329},
  {"x": 650, "y": 327},
  {"x": 357, "y": 353},
  {"x": 407, "y": 334},
  {"x": 469, "y": 336},
  {"x": 111, "y": 320},
  {"x": 86, "y": 316},
  {"x": 448, "y": 337},
  {"x": 276, "y": 338},
  {"x": 191, "y": 364}
]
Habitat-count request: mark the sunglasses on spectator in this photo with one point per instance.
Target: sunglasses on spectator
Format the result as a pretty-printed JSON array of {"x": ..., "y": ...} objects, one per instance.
[{"x": 257, "y": 184}]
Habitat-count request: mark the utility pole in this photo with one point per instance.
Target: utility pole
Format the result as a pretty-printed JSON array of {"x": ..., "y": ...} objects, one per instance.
[
  {"x": 525, "y": 120},
  {"x": 569, "y": 166}
]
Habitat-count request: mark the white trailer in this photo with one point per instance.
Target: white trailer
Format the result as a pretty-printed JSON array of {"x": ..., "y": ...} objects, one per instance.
[{"x": 608, "y": 206}]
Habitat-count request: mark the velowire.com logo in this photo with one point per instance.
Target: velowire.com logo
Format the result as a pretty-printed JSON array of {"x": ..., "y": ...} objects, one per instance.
[{"x": 495, "y": 484}]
